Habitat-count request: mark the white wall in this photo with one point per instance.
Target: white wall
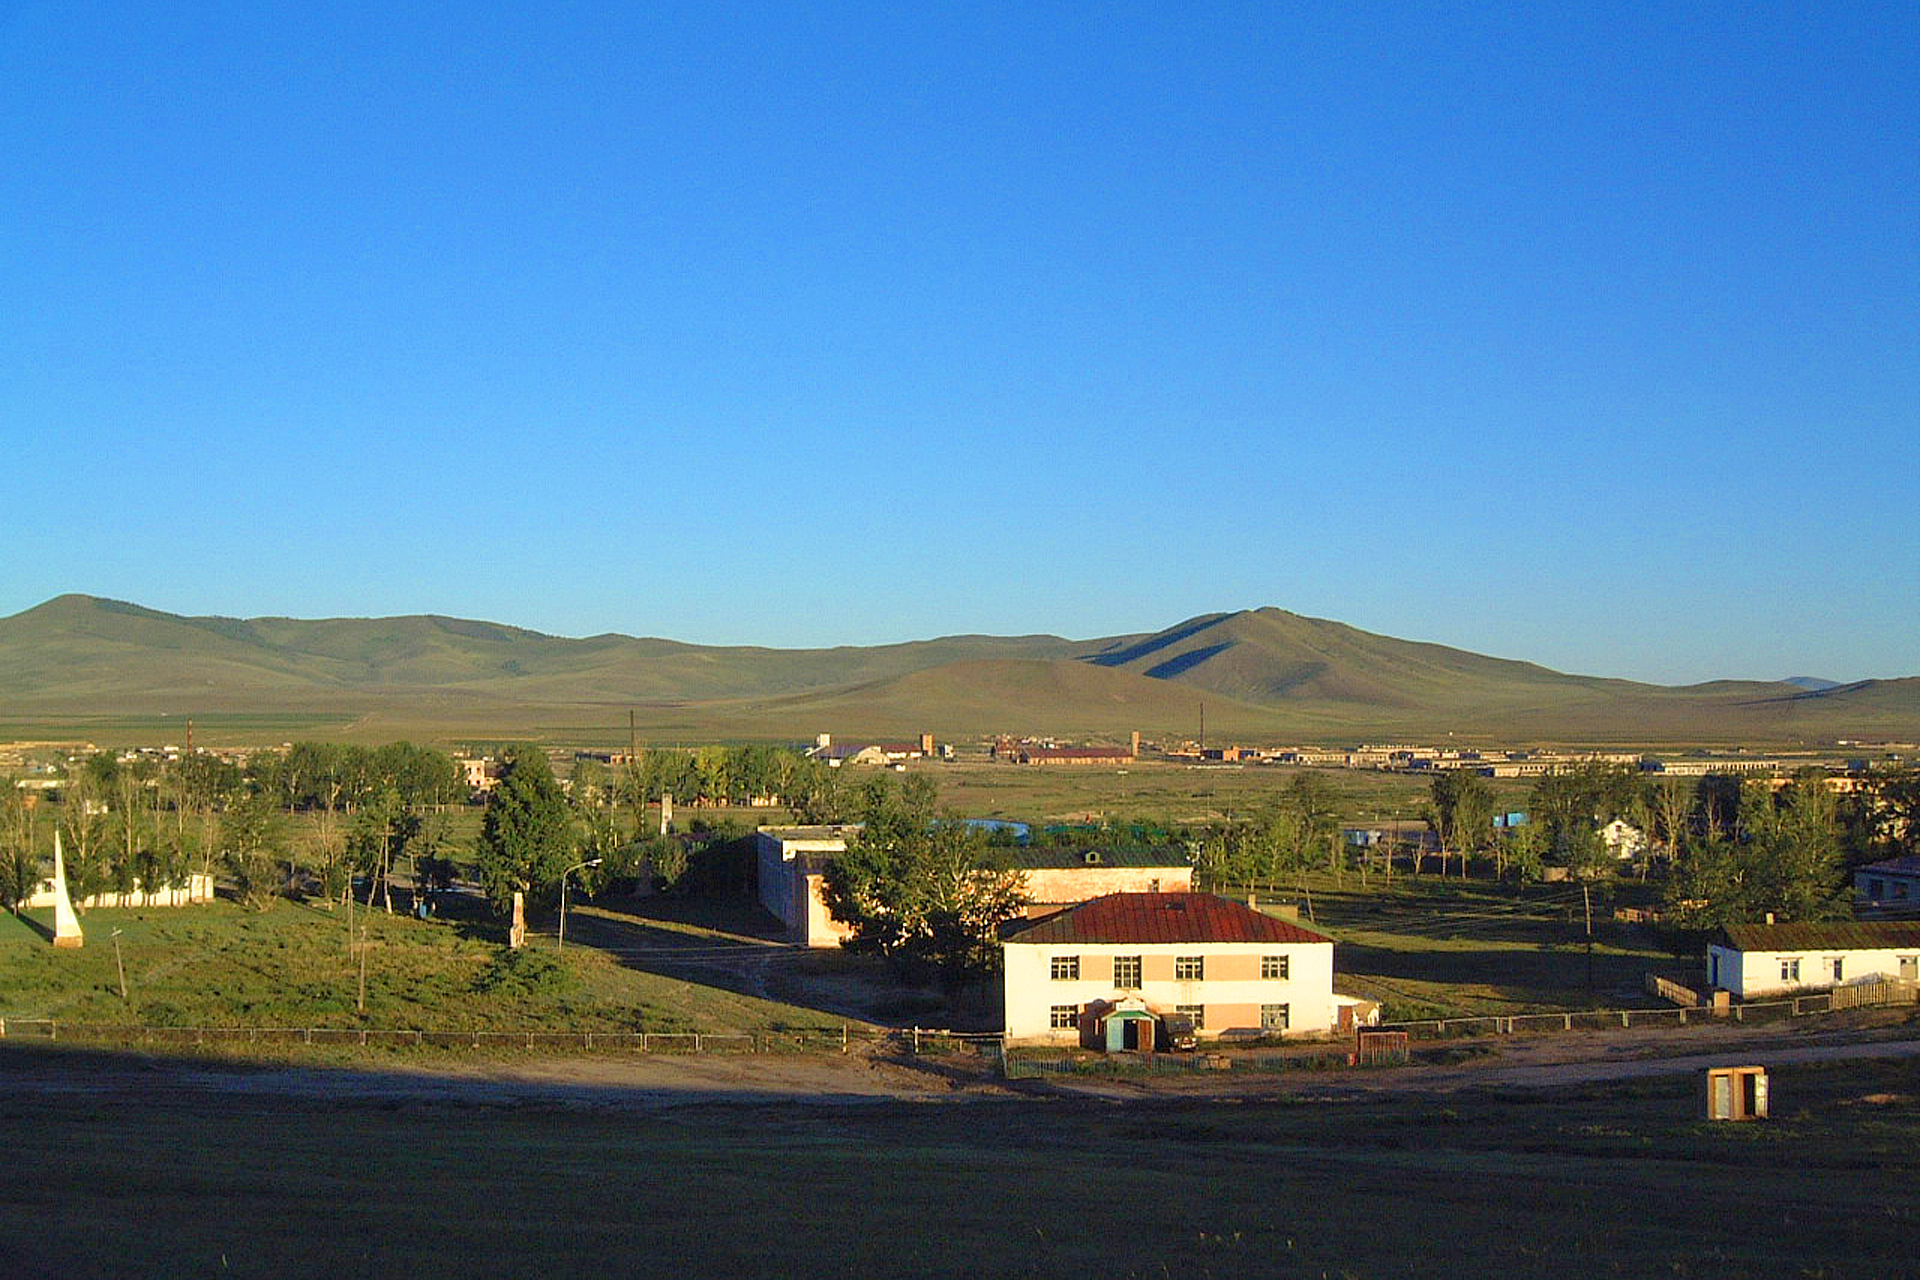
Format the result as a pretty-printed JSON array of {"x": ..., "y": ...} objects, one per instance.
[
  {"x": 199, "y": 888},
  {"x": 1755, "y": 974}
]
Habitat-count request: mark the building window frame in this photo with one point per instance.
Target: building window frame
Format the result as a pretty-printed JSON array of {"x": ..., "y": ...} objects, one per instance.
[
  {"x": 1063, "y": 1017},
  {"x": 1197, "y": 1012},
  {"x": 1276, "y": 1017},
  {"x": 1789, "y": 968},
  {"x": 1127, "y": 973},
  {"x": 1189, "y": 968},
  {"x": 1276, "y": 968},
  {"x": 1064, "y": 968}
]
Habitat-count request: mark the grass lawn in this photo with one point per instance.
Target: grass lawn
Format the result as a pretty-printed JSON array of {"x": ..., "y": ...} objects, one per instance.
[
  {"x": 1177, "y": 793},
  {"x": 221, "y": 964},
  {"x": 1616, "y": 1181},
  {"x": 1430, "y": 947}
]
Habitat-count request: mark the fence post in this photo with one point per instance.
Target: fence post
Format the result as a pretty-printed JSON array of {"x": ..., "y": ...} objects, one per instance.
[
  {"x": 1567, "y": 1022},
  {"x": 916, "y": 1040},
  {"x": 696, "y": 1042}
]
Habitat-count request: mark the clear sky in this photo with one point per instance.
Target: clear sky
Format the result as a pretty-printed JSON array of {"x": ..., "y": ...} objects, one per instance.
[{"x": 1583, "y": 334}]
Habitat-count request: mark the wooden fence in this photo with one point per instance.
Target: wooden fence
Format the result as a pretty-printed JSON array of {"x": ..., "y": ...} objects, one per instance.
[
  {"x": 1613, "y": 1019},
  {"x": 1856, "y": 995},
  {"x": 1668, "y": 989}
]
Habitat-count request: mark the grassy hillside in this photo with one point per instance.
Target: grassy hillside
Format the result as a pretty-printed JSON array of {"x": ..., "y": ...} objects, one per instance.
[{"x": 82, "y": 666}]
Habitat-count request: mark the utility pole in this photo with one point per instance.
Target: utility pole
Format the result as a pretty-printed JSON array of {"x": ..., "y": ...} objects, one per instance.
[
  {"x": 362, "y": 1006},
  {"x": 1586, "y": 898}
]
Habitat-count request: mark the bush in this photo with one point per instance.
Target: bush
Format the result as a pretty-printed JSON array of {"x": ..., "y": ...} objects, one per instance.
[{"x": 526, "y": 973}]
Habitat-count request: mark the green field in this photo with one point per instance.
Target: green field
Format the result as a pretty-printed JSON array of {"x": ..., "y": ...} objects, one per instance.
[
  {"x": 222, "y": 965},
  {"x": 1613, "y": 1181}
]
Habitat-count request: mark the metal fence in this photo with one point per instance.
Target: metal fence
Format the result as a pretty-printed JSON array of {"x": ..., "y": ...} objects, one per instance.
[
  {"x": 916, "y": 1040},
  {"x": 651, "y": 1042}
]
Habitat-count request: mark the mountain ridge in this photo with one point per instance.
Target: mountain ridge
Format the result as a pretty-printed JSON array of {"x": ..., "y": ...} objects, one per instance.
[{"x": 1264, "y": 670}]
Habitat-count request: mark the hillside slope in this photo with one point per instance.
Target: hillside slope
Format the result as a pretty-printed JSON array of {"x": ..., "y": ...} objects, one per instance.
[{"x": 1261, "y": 674}]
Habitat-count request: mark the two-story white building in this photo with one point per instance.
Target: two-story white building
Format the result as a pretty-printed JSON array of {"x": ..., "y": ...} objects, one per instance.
[{"x": 1233, "y": 970}]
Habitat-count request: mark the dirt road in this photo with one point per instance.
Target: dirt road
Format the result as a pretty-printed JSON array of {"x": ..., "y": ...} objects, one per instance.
[{"x": 871, "y": 1075}]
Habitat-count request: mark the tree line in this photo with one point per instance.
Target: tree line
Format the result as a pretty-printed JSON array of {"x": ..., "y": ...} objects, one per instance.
[{"x": 152, "y": 822}]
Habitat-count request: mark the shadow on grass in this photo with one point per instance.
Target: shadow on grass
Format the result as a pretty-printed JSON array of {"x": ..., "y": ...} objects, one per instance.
[{"x": 733, "y": 944}]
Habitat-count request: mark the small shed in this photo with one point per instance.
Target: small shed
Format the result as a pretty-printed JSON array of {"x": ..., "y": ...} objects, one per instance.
[{"x": 1128, "y": 1025}]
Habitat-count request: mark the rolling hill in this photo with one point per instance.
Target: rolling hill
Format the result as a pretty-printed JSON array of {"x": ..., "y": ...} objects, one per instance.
[{"x": 1263, "y": 673}]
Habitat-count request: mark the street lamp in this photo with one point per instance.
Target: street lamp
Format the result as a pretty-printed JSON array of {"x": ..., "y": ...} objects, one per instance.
[{"x": 564, "y": 877}]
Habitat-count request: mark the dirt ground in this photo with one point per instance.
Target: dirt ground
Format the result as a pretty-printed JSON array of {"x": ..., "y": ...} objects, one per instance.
[{"x": 876, "y": 1074}]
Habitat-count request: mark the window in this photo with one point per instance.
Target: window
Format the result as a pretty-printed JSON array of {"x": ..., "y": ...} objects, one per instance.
[
  {"x": 1790, "y": 970},
  {"x": 1899, "y": 889},
  {"x": 1126, "y": 972},
  {"x": 1274, "y": 966},
  {"x": 1839, "y": 965},
  {"x": 1910, "y": 968},
  {"x": 1198, "y": 1012},
  {"x": 1189, "y": 968},
  {"x": 1065, "y": 1016},
  {"x": 1876, "y": 889},
  {"x": 1273, "y": 1017},
  {"x": 1066, "y": 968}
]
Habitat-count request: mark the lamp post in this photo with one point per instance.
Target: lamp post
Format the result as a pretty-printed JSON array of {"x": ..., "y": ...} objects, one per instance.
[{"x": 564, "y": 877}]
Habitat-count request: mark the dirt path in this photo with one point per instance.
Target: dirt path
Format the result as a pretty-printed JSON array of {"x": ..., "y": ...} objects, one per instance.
[{"x": 869, "y": 1075}]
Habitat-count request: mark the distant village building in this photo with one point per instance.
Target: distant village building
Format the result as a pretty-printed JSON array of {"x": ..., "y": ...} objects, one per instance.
[
  {"x": 878, "y": 754},
  {"x": 1718, "y": 766},
  {"x": 1887, "y": 888},
  {"x": 1074, "y": 755},
  {"x": 481, "y": 773},
  {"x": 791, "y": 863},
  {"x": 1623, "y": 840}
]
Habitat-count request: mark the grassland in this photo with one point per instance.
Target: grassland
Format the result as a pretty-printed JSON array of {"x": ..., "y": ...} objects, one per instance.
[
  {"x": 220, "y": 964},
  {"x": 1621, "y": 1180},
  {"x": 1175, "y": 793}
]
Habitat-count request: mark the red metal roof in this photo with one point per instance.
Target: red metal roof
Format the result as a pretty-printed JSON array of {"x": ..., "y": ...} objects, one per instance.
[{"x": 1163, "y": 917}]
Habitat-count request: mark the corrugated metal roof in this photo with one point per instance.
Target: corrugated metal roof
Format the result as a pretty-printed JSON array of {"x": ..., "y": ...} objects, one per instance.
[
  {"x": 1163, "y": 917},
  {"x": 1834, "y": 935}
]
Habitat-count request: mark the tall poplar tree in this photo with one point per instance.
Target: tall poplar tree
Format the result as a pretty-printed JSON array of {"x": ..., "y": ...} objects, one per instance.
[{"x": 526, "y": 835}]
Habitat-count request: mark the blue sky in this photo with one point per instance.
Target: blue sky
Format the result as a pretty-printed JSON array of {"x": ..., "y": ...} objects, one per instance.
[{"x": 1583, "y": 337}]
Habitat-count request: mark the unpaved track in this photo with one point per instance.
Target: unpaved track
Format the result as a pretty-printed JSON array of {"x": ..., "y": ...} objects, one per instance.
[{"x": 867, "y": 1076}]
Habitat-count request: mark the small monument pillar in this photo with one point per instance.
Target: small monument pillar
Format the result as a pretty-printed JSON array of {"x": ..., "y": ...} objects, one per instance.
[
  {"x": 666, "y": 811},
  {"x": 517, "y": 931},
  {"x": 66, "y": 925}
]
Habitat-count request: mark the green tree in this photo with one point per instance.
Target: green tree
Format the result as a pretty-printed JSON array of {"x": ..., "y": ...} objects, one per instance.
[
  {"x": 925, "y": 891},
  {"x": 1461, "y": 814},
  {"x": 526, "y": 835},
  {"x": 253, "y": 839}
]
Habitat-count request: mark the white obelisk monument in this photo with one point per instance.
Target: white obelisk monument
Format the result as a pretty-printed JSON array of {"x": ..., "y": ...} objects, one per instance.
[{"x": 66, "y": 925}]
